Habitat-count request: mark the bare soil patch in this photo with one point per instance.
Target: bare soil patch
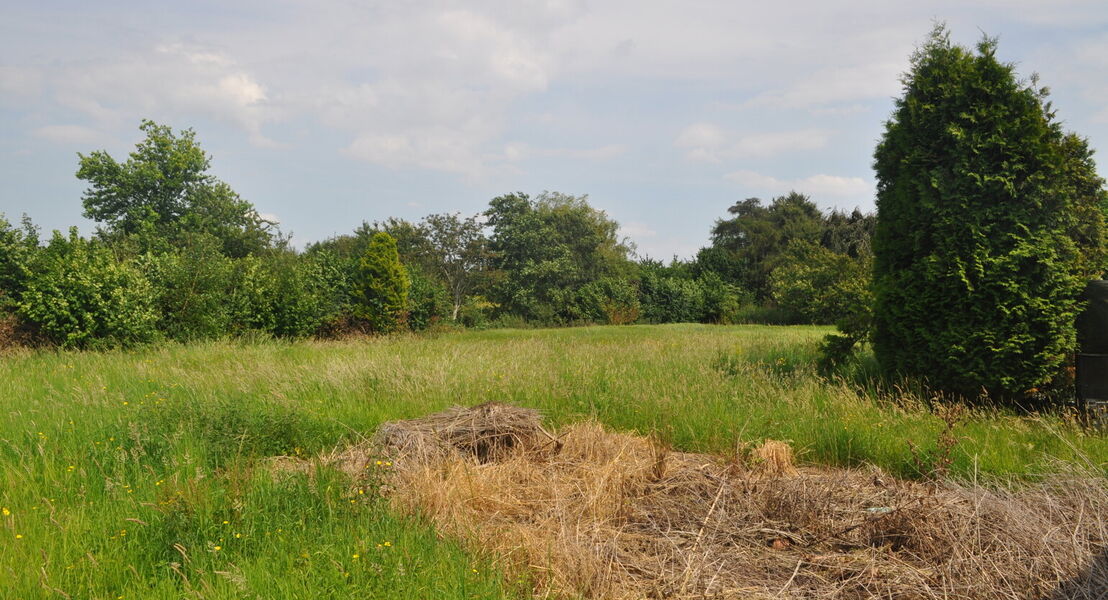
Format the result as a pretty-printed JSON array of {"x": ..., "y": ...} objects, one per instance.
[{"x": 588, "y": 512}]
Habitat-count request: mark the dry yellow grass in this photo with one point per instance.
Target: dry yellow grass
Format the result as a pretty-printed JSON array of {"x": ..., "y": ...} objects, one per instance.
[{"x": 588, "y": 512}]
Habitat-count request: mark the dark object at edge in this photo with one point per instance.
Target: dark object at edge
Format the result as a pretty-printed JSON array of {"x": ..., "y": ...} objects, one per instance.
[{"x": 1092, "y": 357}]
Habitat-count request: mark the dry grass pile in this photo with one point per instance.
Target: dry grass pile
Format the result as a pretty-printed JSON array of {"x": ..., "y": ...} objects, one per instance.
[{"x": 607, "y": 515}]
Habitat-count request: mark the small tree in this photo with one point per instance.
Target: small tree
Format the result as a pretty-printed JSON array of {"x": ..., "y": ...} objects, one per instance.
[
  {"x": 459, "y": 252},
  {"x": 382, "y": 285},
  {"x": 980, "y": 198}
]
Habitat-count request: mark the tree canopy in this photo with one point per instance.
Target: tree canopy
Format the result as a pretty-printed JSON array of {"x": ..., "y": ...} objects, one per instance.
[
  {"x": 164, "y": 190},
  {"x": 546, "y": 249}
]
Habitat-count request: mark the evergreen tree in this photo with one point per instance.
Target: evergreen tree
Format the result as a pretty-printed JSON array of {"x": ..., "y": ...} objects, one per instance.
[
  {"x": 383, "y": 285},
  {"x": 988, "y": 226}
]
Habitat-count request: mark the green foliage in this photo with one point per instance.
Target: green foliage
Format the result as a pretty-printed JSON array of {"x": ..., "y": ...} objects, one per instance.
[
  {"x": 17, "y": 249},
  {"x": 668, "y": 299},
  {"x": 192, "y": 286},
  {"x": 334, "y": 276},
  {"x": 250, "y": 302},
  {"x": 980, "y": 195},
  {"x": 285, "y": 294},
  {"x": 428, "y": 300},
  {"x": 79, "y": 296},
  {"x": 817, "y": 285},
  {"x": 546, "y": 250},
  {"x": 746, "y": 246},
  {"x": 722, "y": 300},
  {"x": 684, "y": 293},
  {"x": 163, "y": 191},
  {"x": 382, "y": 286},
  {"x": 457, "y": 252},
  {"x": 609, "y": 300},
  {"x": 299, "y": 297},
  {"x": 848, "y": 234}
]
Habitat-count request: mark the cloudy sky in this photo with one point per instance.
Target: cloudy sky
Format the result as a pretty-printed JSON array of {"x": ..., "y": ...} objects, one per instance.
[{"x": 331, "y": 112}]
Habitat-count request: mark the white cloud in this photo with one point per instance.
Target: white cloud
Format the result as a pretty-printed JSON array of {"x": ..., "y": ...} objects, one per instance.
[
  {"x": 519, "y": 151},
  {"x": 19, "y": 83},
  {"x": 437, "y": 150},
  {"x": 835, "y": 85},
  {"x": 170, "y": 81},
  {"x": 816, "y": 185},
  {"x": 636, "y": 230},
  {"x": 708, "y": 143},
  {"x": 69, "y": 134}
]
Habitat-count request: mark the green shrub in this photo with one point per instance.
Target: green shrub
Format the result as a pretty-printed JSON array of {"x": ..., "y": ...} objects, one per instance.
[
  {"x": 980, "y": 194},
  {"x": 298, "y": 297},
  {"x": 476, "y": 312},
  {"x": 382, "y": 286},
  {"x": 671, "y": 299},
  {"x": 17, "y": 250},
  {"x": 722, "y": 300},
  {"x": 609, "y": 300},
  {"x": 192, "y": 288},
  {"x": 79, "y": 296},
  {"x": 334, "y": 276},
  {"x": 817, "y": 285},
  {"x": 428, "y": 300},
  {"x": 251, "y": 289}
]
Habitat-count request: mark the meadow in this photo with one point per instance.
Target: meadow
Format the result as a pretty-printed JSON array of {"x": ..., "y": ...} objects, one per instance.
[{"x": 146, "y": 473}]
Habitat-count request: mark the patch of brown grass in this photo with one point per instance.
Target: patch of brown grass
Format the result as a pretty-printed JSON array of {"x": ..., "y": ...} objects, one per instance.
[
  {"x": 599, "y": 514},
  {"x": 14, "y": 335}
]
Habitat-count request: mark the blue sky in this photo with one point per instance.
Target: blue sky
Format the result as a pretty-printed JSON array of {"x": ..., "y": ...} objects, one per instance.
[{"x": 328, "y": 113}]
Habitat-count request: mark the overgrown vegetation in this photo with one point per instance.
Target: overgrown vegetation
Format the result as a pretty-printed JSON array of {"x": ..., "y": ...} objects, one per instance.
[{"x": 113, "y": 463}]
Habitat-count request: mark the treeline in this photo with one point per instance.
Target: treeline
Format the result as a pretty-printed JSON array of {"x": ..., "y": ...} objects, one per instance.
[{"x": 178, "y": 255}]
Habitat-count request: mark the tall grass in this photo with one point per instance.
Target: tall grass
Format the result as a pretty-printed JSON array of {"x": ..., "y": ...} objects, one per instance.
[{"x": 143, "y": 474}]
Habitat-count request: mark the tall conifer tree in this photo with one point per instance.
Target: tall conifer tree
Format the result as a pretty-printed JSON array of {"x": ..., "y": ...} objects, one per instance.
[{"x": 988, "y": 226}]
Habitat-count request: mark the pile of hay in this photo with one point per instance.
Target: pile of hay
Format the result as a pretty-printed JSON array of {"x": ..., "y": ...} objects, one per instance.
[{"x": 608, "y": 515}]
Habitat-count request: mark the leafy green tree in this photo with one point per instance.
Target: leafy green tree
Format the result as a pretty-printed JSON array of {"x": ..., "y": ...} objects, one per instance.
[
  {"x": 848, "y": 234},
  {"x": 163, "y": 190},
  {"x": 546, "y": 249},
  {"x": 816, "y": 285},
  {"x": 609, "y": 300},
  {"x": 987, "y": 226},
  {"x": 459, "y": 252},
  {"x": 747, "y": 245},
  {"x": 382, "y": 286},
  {"x": 299, "y": 297},
  {"x": 79, "y": 296},
  {"x": 722, "y": 300}
]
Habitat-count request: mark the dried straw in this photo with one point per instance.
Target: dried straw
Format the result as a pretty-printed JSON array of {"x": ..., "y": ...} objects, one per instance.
[{"x": 609, "y": 515}]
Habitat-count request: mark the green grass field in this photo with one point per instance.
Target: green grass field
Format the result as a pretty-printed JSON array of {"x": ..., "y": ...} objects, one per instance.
[{"x": 142, "y": 474}]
